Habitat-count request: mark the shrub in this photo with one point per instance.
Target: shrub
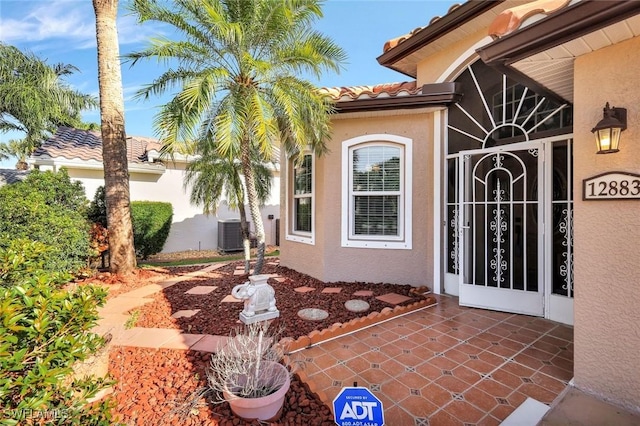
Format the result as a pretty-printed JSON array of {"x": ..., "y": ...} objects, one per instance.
[
  {"x": 97, "y": 212},
  {"x": 44, "y": 330},
  {"x": 151, "y": 226},
  {"x": 49, "y": 208},
  {"x": 151, "y": 222},
  {"x": 23, "y": 262}
]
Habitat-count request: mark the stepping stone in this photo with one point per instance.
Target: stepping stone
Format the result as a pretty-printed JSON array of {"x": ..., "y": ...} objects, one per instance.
[
  {"x": 356, "y": 305},
  {"x": 201, "y": 289},
  {"x": 185, "y": 313},
  {"x": 393, "y": 298},
  {"x": 273, "y": 263},
  {"x": 304, "y": 289},
  {"x": 280, "y": 279},
  {"x": 313, "y": 314},
  {"x": 183, "y": 341},
  {"x": 332, "y": 290},
  {"x": 230, "y": 299},
  {"x": 363, "y": 293},
  {"x": 209, "y": 343},
  {"x": 241, "y": 272}
]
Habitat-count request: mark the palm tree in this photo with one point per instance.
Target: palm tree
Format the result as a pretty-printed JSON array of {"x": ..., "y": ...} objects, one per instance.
[
  {"x": 122, "y": 258},
  {"x": 236, "y": 69},
  {"x": 211, "y": 178},
  {"x": 35, "y": 100}
]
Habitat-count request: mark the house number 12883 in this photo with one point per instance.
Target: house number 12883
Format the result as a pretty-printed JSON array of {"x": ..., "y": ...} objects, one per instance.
[{"x": 614, "y": 185}]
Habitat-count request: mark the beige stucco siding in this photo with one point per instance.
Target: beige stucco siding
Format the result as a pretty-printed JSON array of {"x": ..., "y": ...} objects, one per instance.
[
  {"x": 430, "y": 69},
  {"x": 327, "y": 259},
  {"x": 607, "y": 233}
]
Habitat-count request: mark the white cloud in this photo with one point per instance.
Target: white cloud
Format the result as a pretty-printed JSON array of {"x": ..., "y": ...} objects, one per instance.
[{"x": 63, "y": 21}]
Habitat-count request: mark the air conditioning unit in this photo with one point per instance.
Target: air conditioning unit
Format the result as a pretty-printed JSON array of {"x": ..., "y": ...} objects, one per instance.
[{"x": 229, "y": 235}]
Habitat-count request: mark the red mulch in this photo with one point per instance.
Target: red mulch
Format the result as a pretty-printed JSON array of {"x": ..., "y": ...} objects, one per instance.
[
  {"x": 155, "y": 386},
  {"x": 160, "y": 387},
  {"x": 220, "y": 318}
]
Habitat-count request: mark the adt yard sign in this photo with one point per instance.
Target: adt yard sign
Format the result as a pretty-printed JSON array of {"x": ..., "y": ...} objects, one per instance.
[{"x": 357, "y": 406}]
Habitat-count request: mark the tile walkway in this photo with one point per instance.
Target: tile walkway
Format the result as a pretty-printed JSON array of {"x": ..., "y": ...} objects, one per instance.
[
  {"x": 442, "y": 365},
  {"x": 448, "y": 365}
]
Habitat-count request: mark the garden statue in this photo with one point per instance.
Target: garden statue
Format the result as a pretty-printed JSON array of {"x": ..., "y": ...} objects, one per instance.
[{"x": 259, "y": 299}]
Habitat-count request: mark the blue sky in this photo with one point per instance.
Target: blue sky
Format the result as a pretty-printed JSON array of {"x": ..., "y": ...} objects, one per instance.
[{"x": 64, "y": 31}]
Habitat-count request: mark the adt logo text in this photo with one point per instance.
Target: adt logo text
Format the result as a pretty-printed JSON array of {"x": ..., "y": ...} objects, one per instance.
[{"x": 357, "y": 406}]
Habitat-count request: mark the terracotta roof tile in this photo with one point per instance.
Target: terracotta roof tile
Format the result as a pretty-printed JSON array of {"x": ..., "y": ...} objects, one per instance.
[
  {"x": 86, "y": 145},
  {"x": 396, "y": 41},
  {"x": 345, "y": 94},
  {"x": 512, "y": 19}
]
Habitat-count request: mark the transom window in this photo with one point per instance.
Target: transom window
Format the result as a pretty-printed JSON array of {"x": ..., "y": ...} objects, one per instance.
[{"x": 376, "y": 201}]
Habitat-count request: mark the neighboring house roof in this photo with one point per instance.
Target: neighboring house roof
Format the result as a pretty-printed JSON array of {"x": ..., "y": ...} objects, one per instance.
[
  {"x": 392, "y": 96},
  {"x": 83, "y": 149},
  {"x": 8, "y": 176},
  {"x": 71, "y": 147},
  {"x": 86, "y": 145}
]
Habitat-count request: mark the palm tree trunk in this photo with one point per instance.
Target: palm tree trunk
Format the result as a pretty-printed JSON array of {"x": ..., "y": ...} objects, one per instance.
[
  {"x": 252, "y": 197},
  {"x": 246, "y": 241},
  {"x": 122, "y": 259}
]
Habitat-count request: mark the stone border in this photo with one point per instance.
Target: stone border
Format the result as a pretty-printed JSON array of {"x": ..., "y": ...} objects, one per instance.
[{"x": 340, "y": 329}]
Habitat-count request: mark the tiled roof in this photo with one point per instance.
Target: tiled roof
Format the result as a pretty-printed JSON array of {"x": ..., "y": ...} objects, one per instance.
[
  {"x": 8, "y": 176},
  {"x": 343, "y": 94},
  {"x": 86, "y": 145},
  {"x": 396, "y": 41},
  {"x": 512, "y": 19}
]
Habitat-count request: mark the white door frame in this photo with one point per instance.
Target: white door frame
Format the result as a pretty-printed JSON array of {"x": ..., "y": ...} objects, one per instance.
[
  {"x": 484, "y": 296},
  {"x": 556, "y": 307}
]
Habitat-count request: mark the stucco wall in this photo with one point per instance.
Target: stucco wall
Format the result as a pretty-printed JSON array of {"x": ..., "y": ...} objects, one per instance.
[
  {"x": 191, "y": 229},
  {"x": 607, "y": 233},
  {"x": 326, "y": 259},
  {"x": 431, "y": 68}
]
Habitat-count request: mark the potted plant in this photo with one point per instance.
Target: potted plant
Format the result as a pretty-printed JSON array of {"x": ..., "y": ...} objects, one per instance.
[{"x": 247, "y": 372}]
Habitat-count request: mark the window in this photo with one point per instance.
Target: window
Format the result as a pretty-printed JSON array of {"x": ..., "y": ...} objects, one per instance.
[
  {"x": 539, "y": 113},
  {"x": 302, "y": 186},
  {"x": 376, "y": 192}
]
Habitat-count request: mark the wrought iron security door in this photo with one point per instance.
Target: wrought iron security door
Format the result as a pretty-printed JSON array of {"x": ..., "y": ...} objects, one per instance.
[{"x": 501, "y": 239}]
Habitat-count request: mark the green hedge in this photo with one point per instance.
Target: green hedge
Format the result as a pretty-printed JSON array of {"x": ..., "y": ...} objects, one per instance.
[
  {"x": 44, "y": 330},
  {"x": 151, "y": 226},
  {"x": 49, "y": 208}
]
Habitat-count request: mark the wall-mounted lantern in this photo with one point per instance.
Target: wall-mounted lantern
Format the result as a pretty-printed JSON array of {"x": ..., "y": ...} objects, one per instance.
[{"x": 607, "y": 131}]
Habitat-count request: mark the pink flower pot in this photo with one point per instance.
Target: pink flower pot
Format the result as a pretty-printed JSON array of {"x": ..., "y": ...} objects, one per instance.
[{"x": 264, "y": 407}]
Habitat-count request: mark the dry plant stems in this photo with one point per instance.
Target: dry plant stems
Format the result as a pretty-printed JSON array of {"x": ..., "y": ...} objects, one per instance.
[{"x": 244, "y": 367}]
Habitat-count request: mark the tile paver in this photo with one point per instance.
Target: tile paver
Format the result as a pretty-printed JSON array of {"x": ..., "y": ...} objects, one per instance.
[
  {"x": 230, "y": 299},
  {"x": 209, "y": 343},
  {"x": 393, "y": 298},
  {"x": 202, "y": 289},
  {"x": 458, "y": 382},
  {"x": 331, "y": 290},
  {"x": 304, "y": 289},
  {"x": 185, "y": 313},
  {"x": 182, "y": 341}
]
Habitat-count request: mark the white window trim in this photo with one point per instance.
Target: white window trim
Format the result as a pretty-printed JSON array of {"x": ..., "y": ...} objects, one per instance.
[
  {"x": 406, "y": 211},
  {"x": 299, "y": 236}
]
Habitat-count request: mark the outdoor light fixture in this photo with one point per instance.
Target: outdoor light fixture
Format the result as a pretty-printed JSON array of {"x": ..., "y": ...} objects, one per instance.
[{"x": 608, "y": 130}]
